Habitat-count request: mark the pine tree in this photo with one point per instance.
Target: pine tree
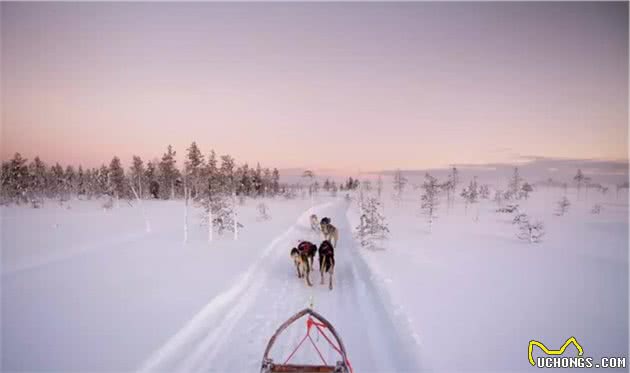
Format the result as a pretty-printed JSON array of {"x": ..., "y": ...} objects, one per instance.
[
  {"x": 80, "y": 187},
  {"x": 399, "y": 184},
  {"x": 563, "y": 206},
  {"x": 38, "y": 180},
  {"x": 579, "y": 180},
  {"x": 326, "y": 185},
  {"x": 137, "y": 175},
  {"x": 484, "y": 191},
  {"x": 429, "y": 198},
  {"x": 168, "y": 174},
  {"x": 193, "y": 168},
  {"x": 514, "y": 185},
  {"x": 15, "y": 183},
  {"x": 275, "y": 181},
  {"x": 117, "y": 178},
  {"x": 526, "y": 188},
  {"x": 57, "y": 181},
  {"x": 372, "y": 226},
  {"x": 379, "y": 186},
  {"x": 228, "y": 184},
  {"x": 531, "y": 232},
  {"x": 451, "y": 185},
  {"x": 470, "y": 193},
  {"x": 257, "y": 182},
  {"x": 151, "y": 178},
  {"x": 69, "y": 182}
]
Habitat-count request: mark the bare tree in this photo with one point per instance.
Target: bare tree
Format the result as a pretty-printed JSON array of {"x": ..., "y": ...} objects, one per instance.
[
  {"x": 563, "y": 206},
  {"x": 429, "y": 198},
  {"x": 310, "y": 175},
  {"x": 399, "y": 184},
  {"x": 579, "y": 179},
  {"x": 622, "y": 186}
]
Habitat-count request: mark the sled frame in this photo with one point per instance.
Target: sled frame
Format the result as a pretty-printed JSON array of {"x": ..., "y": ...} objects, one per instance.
[{"x": 268, "y": 366}]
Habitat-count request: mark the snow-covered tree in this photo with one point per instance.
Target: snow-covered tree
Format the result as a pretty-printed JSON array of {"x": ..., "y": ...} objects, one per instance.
[
  {"x": 326, "y": 185},
  {"x": 81, "y": 181},
  {"x": 15, "y": 183},
  {"x": 275, "y": 181},
  {"x": 117, "y": 179},
  {"x": 526, "y": 188},
  {"x": 470, "y": 194},
  {"x": 151, "y": 177},
  {"x": 38, "y": 180},
  {"x": 450, "y": 185},
  {"x": 102, "y": 180},
  {"x": 430, "y": 199},
  {"x": 309, "y": 175},
  {"x": 562, "y": 206},
  {"x": 193, "y": 167},
  {"x": 498, "y": 197},
  {"x": 579, "y": 179},
  {"x": 168, "y": 174},
  {"x": 372, "y": 226},
  {"x": 379, "y": 186},
  {"x": 514, "y": 185},
  {"x": 137, "y": 176},
  {"x": 263, "y": 211},
  {"x": 333, "y": 189},
  {"x": 400, "y": 181},
  {"x": 528, "y": 231},
  {"x": 267, "y": 189},
  {"x": 367, "y": 185},
  {"x": 484, "y": 191},
  {"x": 622, "y": 186},
  {"x": 257, "y": 181},
  {"x": 597, "y": 208}
]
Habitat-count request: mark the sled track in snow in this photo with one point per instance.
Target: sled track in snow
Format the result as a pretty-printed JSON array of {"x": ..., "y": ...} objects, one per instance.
[{"x": 230, "y": 333}]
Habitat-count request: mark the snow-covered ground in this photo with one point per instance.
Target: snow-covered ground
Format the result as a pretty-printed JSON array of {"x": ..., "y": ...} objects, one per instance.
[
  {"x": 88, "y": 290},
  {"x": 475, "y": 295}
]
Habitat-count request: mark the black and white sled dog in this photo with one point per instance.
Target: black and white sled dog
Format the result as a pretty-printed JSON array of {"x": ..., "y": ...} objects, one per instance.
[
  {"x": 327, "y": 262},
  {"x": 303, "y": 257},
  {"x": 314, "y": 223},
  {"x": 329, "y": 231}
]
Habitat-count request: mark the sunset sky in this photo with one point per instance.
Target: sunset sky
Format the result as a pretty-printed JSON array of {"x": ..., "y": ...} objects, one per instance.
[{"x": 329, "y": 85}]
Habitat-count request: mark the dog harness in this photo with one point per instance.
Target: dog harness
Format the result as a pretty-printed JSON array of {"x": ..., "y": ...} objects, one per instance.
[
  {"x": 327, "y": 249},
  {"x": 304, "y": 247}
]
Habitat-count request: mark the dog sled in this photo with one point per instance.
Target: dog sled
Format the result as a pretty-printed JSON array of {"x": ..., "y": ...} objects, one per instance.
[{"x": 320, "y": 324}]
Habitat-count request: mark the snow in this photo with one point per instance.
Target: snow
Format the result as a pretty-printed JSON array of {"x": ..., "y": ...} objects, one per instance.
[
  {"x": 475, "y": 295},
  {"x": 90, "y": 290}
]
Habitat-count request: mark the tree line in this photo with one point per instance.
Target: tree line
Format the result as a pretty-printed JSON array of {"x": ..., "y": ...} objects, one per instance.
[{"x": 25, "y": 181}]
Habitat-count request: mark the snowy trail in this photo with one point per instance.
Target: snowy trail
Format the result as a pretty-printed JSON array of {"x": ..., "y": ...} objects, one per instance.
[{"x": 231, "y": 332}]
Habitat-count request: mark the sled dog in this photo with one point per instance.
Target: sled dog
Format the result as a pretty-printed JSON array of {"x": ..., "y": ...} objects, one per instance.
[
  {"x": 314, "y": 224},
  {"x": 329, "y": 231},
  {"x": 327, "y": 262},
  {"x": 300, "y": 256}
]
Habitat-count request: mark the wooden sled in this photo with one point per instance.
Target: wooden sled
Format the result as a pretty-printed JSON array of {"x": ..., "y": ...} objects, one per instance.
[{"x": 319, "y": 323}]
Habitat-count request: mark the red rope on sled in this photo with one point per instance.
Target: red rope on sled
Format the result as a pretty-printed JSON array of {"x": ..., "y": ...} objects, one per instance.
[{"x": 310, "y": 323}]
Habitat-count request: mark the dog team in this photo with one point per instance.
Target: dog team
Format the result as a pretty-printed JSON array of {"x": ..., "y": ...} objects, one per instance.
[{"x": 304, "y": 254}]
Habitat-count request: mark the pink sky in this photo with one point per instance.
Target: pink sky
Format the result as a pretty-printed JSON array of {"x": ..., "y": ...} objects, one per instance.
[{"x": 346, "y": 86}]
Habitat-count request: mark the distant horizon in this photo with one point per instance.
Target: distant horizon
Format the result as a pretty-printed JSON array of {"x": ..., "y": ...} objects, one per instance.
[{"x": 344, "y": 86}]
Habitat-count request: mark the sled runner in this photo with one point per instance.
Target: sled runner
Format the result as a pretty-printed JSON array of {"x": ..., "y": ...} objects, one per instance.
[{"x": 313, "y": 319}]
